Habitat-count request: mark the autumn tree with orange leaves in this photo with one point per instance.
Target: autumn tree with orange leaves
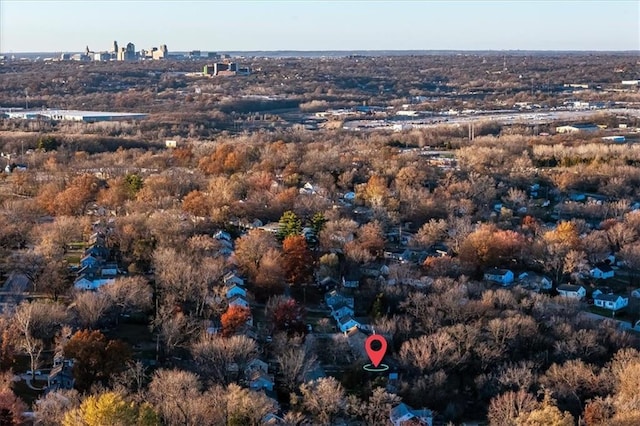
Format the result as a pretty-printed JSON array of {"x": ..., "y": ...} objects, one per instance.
[
  {"x": 233, "y": 319},
  {"x": 298, "y": 262},
  {"x": 488, "y": 246},
  {"x": 196, "y": 203},
  {"x": 96, "y": 357}
]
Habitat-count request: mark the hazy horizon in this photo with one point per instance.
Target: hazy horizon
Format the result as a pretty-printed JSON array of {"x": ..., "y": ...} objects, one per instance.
[
  {"x": 314, "y": 54},
  {"x": 314, "y": 26}
]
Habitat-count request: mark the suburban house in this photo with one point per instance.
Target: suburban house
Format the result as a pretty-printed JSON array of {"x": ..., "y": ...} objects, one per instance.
[
  {"x": 94, "y": 270},
  {"x": 327, "y": 283},
  {"x": 235, "y": 290},
  {"x": 352, "y": 278},
  {"x": 341, "y": 312},
  {"x": 109, "y": 269},
  {"x": 502, "y": 276},
  {"x": 88, "y": 261},
  {"x": 333, "y": 298},
  {"x": 572, "y": 291},
  {"x": 98, "y": 251},
  {"x": 347, "y": 323},
  {"x": 222, "y": 235},
  {"x": 535, "y": 282},
  {"x": 231, "y": 278},
  {"x": 612, "y": 302},
  {"x": 259, "y": 381},
  {"x": 61, "y": 375},
  {"x": 602, "y": 271},
  {"x": 403, "y": 415},
  {"x": 88, "y": 283},
  {"x": 238, "y": 301}
]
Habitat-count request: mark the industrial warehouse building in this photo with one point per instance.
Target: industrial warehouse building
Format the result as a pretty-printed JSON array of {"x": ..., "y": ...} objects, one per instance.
[{"x": 73, "y": 115}]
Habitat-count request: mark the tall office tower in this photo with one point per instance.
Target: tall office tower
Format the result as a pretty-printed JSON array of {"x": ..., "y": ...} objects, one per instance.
[
  {"x": 130, "y": 54},
  {"x": 115, "y": 47}
]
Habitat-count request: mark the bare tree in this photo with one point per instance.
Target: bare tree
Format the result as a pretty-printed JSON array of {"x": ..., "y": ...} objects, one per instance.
[
  {"x": 430, "y": 233},
  {"x": 175, "y": 329},
  {"x": 295, "y": 362},
  {"x": 217, "y": 355},
  {"x": 90, "y": 307},
  {"x": 178, "y": 398},
  {"x": 247, "y": 407},
  {"x": 132, "y": 380},
  {"x": 35, "y": 321},
  {"x": 52, "y": 407},
  {"x": 186, "y": 277},
  {"x": 130, "y": 294},
  {"x": 375, "y": 411},
  {"x": 324, "y": 398},
  {"x": 505, "y": 409}
]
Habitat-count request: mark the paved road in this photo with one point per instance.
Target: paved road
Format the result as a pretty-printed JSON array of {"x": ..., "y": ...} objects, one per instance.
[
  {"x": 623, "y": 325},
  {"x": 27, "y": 379},
  {"x": 540, "y": 117}
]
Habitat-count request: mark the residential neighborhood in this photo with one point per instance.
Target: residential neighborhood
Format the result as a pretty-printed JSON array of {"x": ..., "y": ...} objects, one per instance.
[{"x": 320, "y": 237}]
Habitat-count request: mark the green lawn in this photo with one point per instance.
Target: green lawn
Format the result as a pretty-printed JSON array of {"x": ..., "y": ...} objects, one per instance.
[{"x": 620, "y": 315}]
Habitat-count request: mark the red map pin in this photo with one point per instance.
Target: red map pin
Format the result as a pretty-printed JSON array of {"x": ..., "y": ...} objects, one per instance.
[{"x": 376, "y": 355}]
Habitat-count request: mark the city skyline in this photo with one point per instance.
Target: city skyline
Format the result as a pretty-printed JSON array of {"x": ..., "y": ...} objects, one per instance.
[{"x": 305, "y": 25}]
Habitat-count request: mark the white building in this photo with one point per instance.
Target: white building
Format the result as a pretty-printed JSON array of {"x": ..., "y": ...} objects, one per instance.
[
  {"x": 404, "y": 415},
  {"x": 572, "y": 291},
  {"x": 612, "y": 302}
]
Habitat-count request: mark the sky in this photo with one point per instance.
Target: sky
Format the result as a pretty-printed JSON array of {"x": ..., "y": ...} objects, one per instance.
[{"x": 206, "y": 25}]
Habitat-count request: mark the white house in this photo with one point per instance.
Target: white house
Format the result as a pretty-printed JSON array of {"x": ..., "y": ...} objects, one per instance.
[
  {"x": 612, "y": 302},
  {"x": 502, "y": 276},
  {"x": 84, "y": 283},
  {"x": 402, "y": 414},
  {"x": 346, "y": 323},
  {"x": 602, "y": 271},
  {"x": 235, "y": 290},
  {"x": 572, "y": 291},
  {"x": 238, "y": 301}
]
